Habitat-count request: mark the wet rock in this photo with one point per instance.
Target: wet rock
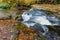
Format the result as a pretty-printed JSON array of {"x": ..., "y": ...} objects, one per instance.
[{"x": 7, "y": 14}]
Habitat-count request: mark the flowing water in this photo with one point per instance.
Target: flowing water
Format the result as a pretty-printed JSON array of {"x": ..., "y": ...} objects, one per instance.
[{"x": 39, "y": 21}]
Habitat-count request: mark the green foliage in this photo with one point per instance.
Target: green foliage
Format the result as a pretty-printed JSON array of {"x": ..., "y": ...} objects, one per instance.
[{"x": 4, "y": 5}]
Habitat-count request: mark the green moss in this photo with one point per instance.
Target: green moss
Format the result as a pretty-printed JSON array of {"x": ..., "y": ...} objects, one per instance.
[{"x": 4, "y": 5}]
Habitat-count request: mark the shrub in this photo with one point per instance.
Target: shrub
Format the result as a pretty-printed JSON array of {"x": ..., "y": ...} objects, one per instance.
[{"x": 4, "y": 5}]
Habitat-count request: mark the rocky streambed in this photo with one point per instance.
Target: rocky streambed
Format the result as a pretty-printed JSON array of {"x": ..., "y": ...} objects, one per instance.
[{"x": 34, "y": 24}]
